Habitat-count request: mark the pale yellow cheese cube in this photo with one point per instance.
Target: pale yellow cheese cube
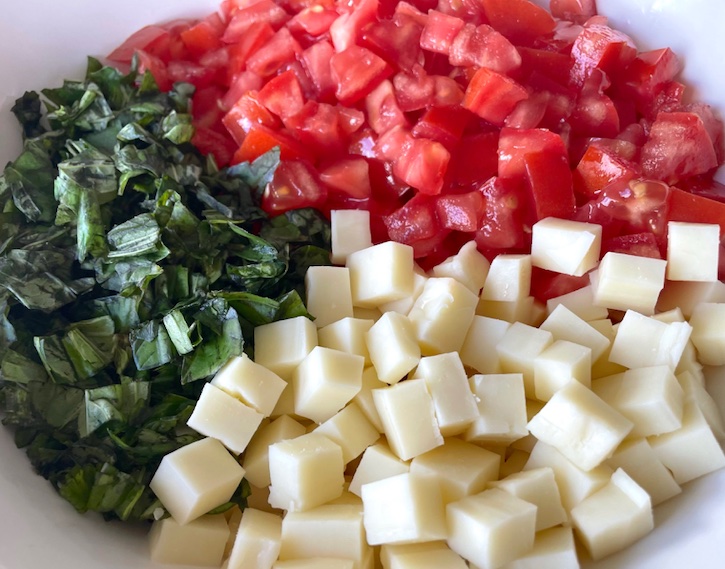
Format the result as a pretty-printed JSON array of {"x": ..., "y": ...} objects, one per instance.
[
  {"x": 537, "y": 486},
  {"x": 580, "y": 302},
  {"x": 393, "y": 347},
  {"x": 328, "y": 531},
  {"x": 430, "y": 555},
  {"x": 514, "y": 462},
  {"x": 256, "y": 457},
  {"x": 442, "y": 314},
  {"x": 403, "y": 305},
  {"x": 574, "y": 483},
  {"x": 508, "y": 279},
  {"x": 325, "y": 381},
  {"x": 559, "y": 364},
  {"x": 315, "y": 563},
  {"x": 350, "y": 429},
  {"x": 692, "y": 450},
  {"x": 468, "y": 266},
  {"x": 377, "y": 462},
  {"x": 199, "y": 542},
  {"x": 259, "y": 500},
  {"x": 565, "y": 246},
  {"x": 217, "y": 414},
  {"x": 406, "y": 508},
  {"x": 305, "y": 472},
  {"x": 253, "y": 384},
  {"x": 629, "y": 282},
  {"x": 258, "y": 541},
  {"x": 565, "y": 325},
  {"x": 580, "y": 425},
  {"x": 195, "y": 479},
  {"x": 381, "y": 273},
  {"x": 286, "y": 404},
  {"x": 408, "y": 416},
  {"x": 349, "y": 232},
  {"x": 525, "y": 309},
  {"x": 554, "y": 548},
  {"x": 479, "y": 347},
  {"x": 347, "y": 335},
  {"x": 364, "y": 398},
  {"x": 462, "y": 469},
  {"x": 328, "y": 294},
  {"x": 366, "y": 313},
  {"x": 518, "y": 349},
  {"x": 602, "y": 366},
  {"x": 280, "y": 346},
  {"x": 650, "y": 397},
  {"x": 640, "y": 462},
  {"x": 642, "y": 341},
  {"x": 501, "y": 409},
  {"x": 491, "y": 528},
  {"x": 614, "y": 517},
  {"x": 686, "y": 295},
  {"x": 692, "y": 251},
  {"x": 695, "y": 390},
  {"x": 708, "y": 332},
  {"x": 446, "y": 380}
]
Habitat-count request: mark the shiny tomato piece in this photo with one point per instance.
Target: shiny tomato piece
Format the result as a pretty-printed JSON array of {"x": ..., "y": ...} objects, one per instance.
[
  {"x": 415, "y": 223},
  {"x": 201, "y": 38},
  {"x": 397, "y": 41},
  {"x": 560, "y": 100},
  {"x": 264, "y": 11},
  {"x": 552, "y": 64},
  {"x": 550, "y": 184},
  {"x": 212, "y": 142},
  {"x": 245, "y": 114},
  {"x": 314, "y": 20},
  {"x": 693, "y": 208},
  {"x": 414, "y": 91},
  {"x": 383, "y": 110},
  {"x": 530, "y": 112},
  {"x": 548, "y": 284},
  {"x": 482, "y": 46},
  {"x": 254, "y": 38},
  {"x": 206, "y": 107},
  {"x": 261, "y": 139},
  {"x": 514, "y": 144},
  {"x": 282, "y": 48},
  {"x": 599, "y": 167},
  {"x": 392, "y": 143},
  {"x": 423, "y": 165},
  {"x": 242, "y": 83},
  {"x": 188, "y": 72},
  {"x": 474, "y": 160},
  {"x": 320, "y": 128},
  {"x": 316, "y": 61},
  {"x": 669, "y": 99},
  {"x": 357, "y": 71},
  {"x": 282, "y": 95},
  {"x": 639, "y": 244},
  {"x": 492, "y": 96},
  {"x": 148, "y": 38},
  {"x": 439, "y": 32},
  {"x": 460, "y": 212},
  {"x": 678, "y": 147},
  {"x": 347, "y": 29},
  {"x": 294, "y": 185},
  {"x": 595, "y": 114},
  {"x": 522, "y": 21},
  {"x": 443, "y": 124},
  {"x": 712, "y": 123},
  {"x": 155, "y": 66},
  {"x": 501, "y": 224},
  {"x": 647, "y": 74},
  {"x": 351, "y": 176},
  {"x": 467, "y": 10},
  {"x": 575, "y": 10},
  {"x": 600, "y": 47}
]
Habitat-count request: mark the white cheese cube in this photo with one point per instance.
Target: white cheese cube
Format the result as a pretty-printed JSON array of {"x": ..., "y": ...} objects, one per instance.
[
  {"x": 696, "y": 391},
  {"x": 347, "y": 335},
  {"x": 430, "y": 555},
  {"x": 408, "y": 416},
  {"x": 217, "y": 414},
  {"x": 258, "y": 541},
  {"x": 406, "y": 508},
  {"x": 305, "y": 472},
  {"x": 403, "y": 305},
  {"x": 508, "y": 279},
  {"x": 479, "y": 347},
  {"x": 580, "y": 425},
  {"x": 329, "y": 297},
  {"x": 642, "y": 341},
  {"x": 602, "y": 367},
  {"x": 381, "y": 273},
  {"x": 692, "y": 251},
  {"x": 491, "y": 528},
  {"x": 446, "y": 380},
  {"x": 518, "y": 350},
  {"x": 328, "y": 531},
  {"x": 256, "y": 457},
  {"x": 708, "y": 332},
  {"x": 377, "y": 462},
  {"x": 315, "y": 563},
  {"x": 351, "y": 430},
  {"x": 554, "y": 548},
  {"x": 251, "y": 383},
  {"x": 692, "y": 450},
  {"x": 629, "y": 282},
  {"x": 350, "y": 232},
  {"x": 259, "y": 500},
  {"x": 325, "y": 381},
  {"x": 564, "y": 246},
  {"x": 501, "y": 409},
  {"x": 614, "y": 517},
  {"x": 280, "y": 346},
  {"x": 515, "y": 462},
  {"x": 525, "y": 309},
  {"x": 650, "y": 397},
  {"x": 686, "y": 295},
  {"x": 640, "y": 462},
  {"x": 195, "y": 479},
  {"x": 442, "y": 314},
  {"x": 468, "y": 266},
  {"x": 366, "y": 313},
  {"x": 559, "y": 364},
  {"x": 462, "y": 469},
  {"x": 537, "y": 486},
  {"x": 565, "y": 325},
  {"x": 393, "y": 347},
  {"x": 200, "y": 542},
  {"x": 580, "y": 302},
  {"x": 285, "y": 404},
  {"x": 574, "y": 483},
  {"x": 364, "y": 398}
]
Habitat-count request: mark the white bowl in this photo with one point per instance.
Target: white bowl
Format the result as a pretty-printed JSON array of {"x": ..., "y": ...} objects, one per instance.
[{"x": 44, "y": 41}]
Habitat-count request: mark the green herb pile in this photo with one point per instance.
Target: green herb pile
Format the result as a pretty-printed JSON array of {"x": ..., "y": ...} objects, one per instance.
[{"x": 131, "y": 270}]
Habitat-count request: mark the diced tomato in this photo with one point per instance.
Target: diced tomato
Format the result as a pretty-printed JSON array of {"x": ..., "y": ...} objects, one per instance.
[
  {"x": 357, "y": 71},
  {"x": 314, "y": 20},
  {"x": 414, "y": 91},
  {"x": 201, "y": 38},
  {"x": 242, "y": 83},
  {"x": 493, "y": 96},
  {"x": 282, "y": 95},
  {"x": 397, "y": 41},
  {"x": 439, "y": 32},
  {"x": 423, "y": 165},
  {"x": 415, "y": 224},
  {"x": 550, "y": 184},
  {"x": 383, "y": 110},
  {"x": 514, "y": 144},
  {"x": 548, "y": 284},
  {"x": 575, "y": 10},
  {"x": 482, "y": 46},
  {"x": 443, "y": 124},
  {"x": 600, "y": 47},
  {"x": 693, "y": 208},
  {"x": 347, "y": 28},
  {"x": 552, "y": 64},
  {"x": 678, "y": 147},
  {"x": 640, "y": 244},
  {"x": 600, "y": 167},
  {"x": 157, "y": 68},
  {"x": 501, "y": 225},
  {"x": 246, "y": 113},
  {"x": 460, "y": 212},
  {"x": 467, "y": 10},
  {"x": 417, "y": 9},
  {"x": 316, "y": 61},
  {"x": 294, "y": 185},
  {"x": 713, "y": 125},
  {"x": 147, "y": 39},
  {"x": 647, "y": 74},
  {"x": 392, "y": 143},
  {"x": 212, "y": 142},
  {"x": 350, "y": 176},
  {"x": 704, "y": 186},
  {"x": 320, "y": 128},
  {"x": 206, "y": 107},
  {"x": 475, "y": 159},
  {"x": 595, "y": 113},
  {"x": 282, "y": 48},
  {"x": 530, "y": 112},
  {"x": 522, "y": 21},
  {"x": 188, "y": 72},
  {"x": 254, "y": 38},
  {"x": 261, "y": 139},
  {"x": 263, "y": 11}
]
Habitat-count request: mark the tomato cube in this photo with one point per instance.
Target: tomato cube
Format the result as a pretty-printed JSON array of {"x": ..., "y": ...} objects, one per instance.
[
  {"x": 599, "y": 167},
  {"x": 245, "y": 114},
  {"x": 550, "y": 184},
  {"x": 316, "y": 61},
  {"x": 482, "y": 46},
  {"x": 600, "y": 47},
  {"x": 294, "y": 185},
  {"x": 423, "y": 165},
  {"x": 502, "y": 225},
  {"x": 261, "y": 139},
  {"x": 522, "y": 21},
  {"x": 575, "y": 10},
  {"x": 383, "y": 110},
  {"x": 346, "y": 30},
  {"x": 514, "y": 144},
  {"x": 282, "y": 48},
  {"x": 640, "y": 244},
  {"x": 693, "y": 208},
  {"x": 460, "y": 212},
  {"x": 439, "y": 32},
  {"x": 264, "y": 11},
  {"x": 201, "y": 38},
  {"x": 148, "y": 38},
  {"x": 357, "y": 71},
  {"x": 282, "y": 95},
  {"x": 212, "y": 142},
  {"x": 492, "y": 96},
  {"x": 443, "y": 124},
  {"x": 475, "y": 159},
  {"x": 351, "y": 176},
  {"x": 397, "y": 41},
  {"x": 415, "y": 222}
]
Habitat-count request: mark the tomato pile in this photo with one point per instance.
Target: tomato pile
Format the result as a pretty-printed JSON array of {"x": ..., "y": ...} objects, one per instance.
[{"x": 449, "y": 120}]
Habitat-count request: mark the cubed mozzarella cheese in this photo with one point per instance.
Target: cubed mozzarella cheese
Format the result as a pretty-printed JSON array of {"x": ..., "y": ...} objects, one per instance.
[
  {"x": 468, "y": 266},
  {"x": 565, "y": 246},
  {"x": 251, "y": 383},
  {"x": 377, "y": 462},
  {"x": 393, "y": 347},
  {"x": 518, "y": 349},
  {"x": 479, "y": 347},
  {"x": 350, "y": 429},
  {"x": 381, "y": 273},
  {"x": 508, "y": 279},
  {"x": 559, "y": 364},
  {"x": 199, "y": 542},
  {"x": 281, "y": 346},
  {"x": 256, "y": 457},
  {"x": 565, "y": 325},
  {"x": 347, "y": 335},
  {"x": 329, "y": 297},
  {"x": 628, "y": 282},
  {"x": 692, "y": 251},
  {"x": 580, "y": 302},
  {"x": 501, "y": 404},
  {"x": 364, "y": 398},
  {"x": 350, "y": 232},
  {"x": 554, "y": 548},
  {"x": 258, "y": 541},
  {"x": 708, "y": 332},
  {"x": 403, "y": 305},
  {"x": 430, "y": 555}
]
